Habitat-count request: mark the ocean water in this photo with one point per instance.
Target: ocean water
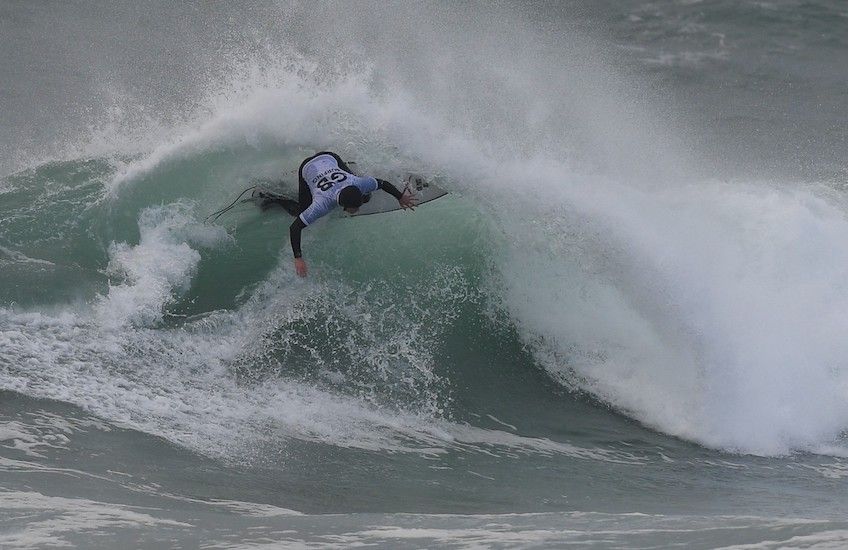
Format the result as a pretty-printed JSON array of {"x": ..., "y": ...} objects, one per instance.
[{"x": 624, "y": 328}]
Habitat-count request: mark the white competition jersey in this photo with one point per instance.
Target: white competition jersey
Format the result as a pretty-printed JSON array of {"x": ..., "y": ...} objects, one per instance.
[{"x": 326, "y": 180}]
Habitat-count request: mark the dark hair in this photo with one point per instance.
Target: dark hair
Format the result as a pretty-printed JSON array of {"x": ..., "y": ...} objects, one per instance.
[{"x": 350, "y": 197}]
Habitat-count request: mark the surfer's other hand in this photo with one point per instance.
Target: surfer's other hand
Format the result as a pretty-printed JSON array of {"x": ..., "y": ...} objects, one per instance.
[
  {"x": 408, "y": 200},
  {"x": 300, "y": 267}
]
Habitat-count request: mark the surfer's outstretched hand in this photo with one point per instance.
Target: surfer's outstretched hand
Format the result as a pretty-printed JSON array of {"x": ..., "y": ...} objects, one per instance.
[
  {"x": 300, "y": 267},
  {"x": 408, "y": 201}
]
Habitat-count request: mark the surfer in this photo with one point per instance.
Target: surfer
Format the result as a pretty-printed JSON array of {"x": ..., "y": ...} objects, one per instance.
[{"x": 326, "y": 181}]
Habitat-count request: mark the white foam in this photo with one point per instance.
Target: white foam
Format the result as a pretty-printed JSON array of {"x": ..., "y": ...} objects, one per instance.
[
  {"x": 157, "y": 269},
  {"x": 710, "y": 311},
  {"x": 8, "y": 255},
  {"x": 59, "y": 517},
  {"x": 553, "y": 529},
  {"x": 833, "y": 538},
  {"x": 18, "y": 436},
  {"x": 180, "y": 383}
]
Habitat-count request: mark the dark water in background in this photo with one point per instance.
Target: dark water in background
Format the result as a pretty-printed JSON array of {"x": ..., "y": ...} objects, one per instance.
[{"x": 625, "y": 328}]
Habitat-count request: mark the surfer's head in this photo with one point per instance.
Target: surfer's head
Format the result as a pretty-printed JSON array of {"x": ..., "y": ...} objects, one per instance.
[{"x": 350, "y": 198}]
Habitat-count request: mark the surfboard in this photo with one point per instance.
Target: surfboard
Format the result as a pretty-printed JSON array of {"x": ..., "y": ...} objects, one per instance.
[{"x": 381, "y": 202}]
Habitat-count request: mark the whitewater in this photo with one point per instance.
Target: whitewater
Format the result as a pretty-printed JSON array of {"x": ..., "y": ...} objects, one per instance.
[{"x": 624, "y": 327}]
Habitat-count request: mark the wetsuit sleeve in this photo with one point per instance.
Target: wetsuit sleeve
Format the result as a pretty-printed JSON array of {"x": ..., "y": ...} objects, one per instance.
[
  {"x": 294, "y": 234},
  {"x": 389, "y": 188}
]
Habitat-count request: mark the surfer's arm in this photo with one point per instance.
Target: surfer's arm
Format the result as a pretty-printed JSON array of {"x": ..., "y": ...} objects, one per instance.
[
  {"x": 389, "y": 188},
  {"x": 294, "y": 234},
  {"x": 318, "y": 208},
  {"x": 405, "y": 198}
]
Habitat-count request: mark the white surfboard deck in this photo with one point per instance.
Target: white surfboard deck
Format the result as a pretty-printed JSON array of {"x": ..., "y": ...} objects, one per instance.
[{"x": 382, "y": 202}]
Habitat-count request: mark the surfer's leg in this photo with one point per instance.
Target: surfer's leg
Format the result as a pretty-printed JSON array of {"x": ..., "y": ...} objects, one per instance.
[
  {"x": 289, "y": 205},
  {"x": 293, "y": 207},
  {"x": 267, "y": 199}
]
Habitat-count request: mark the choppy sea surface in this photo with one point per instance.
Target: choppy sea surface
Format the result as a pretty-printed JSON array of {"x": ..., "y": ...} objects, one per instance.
[{"x": 624, "y": 327}]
